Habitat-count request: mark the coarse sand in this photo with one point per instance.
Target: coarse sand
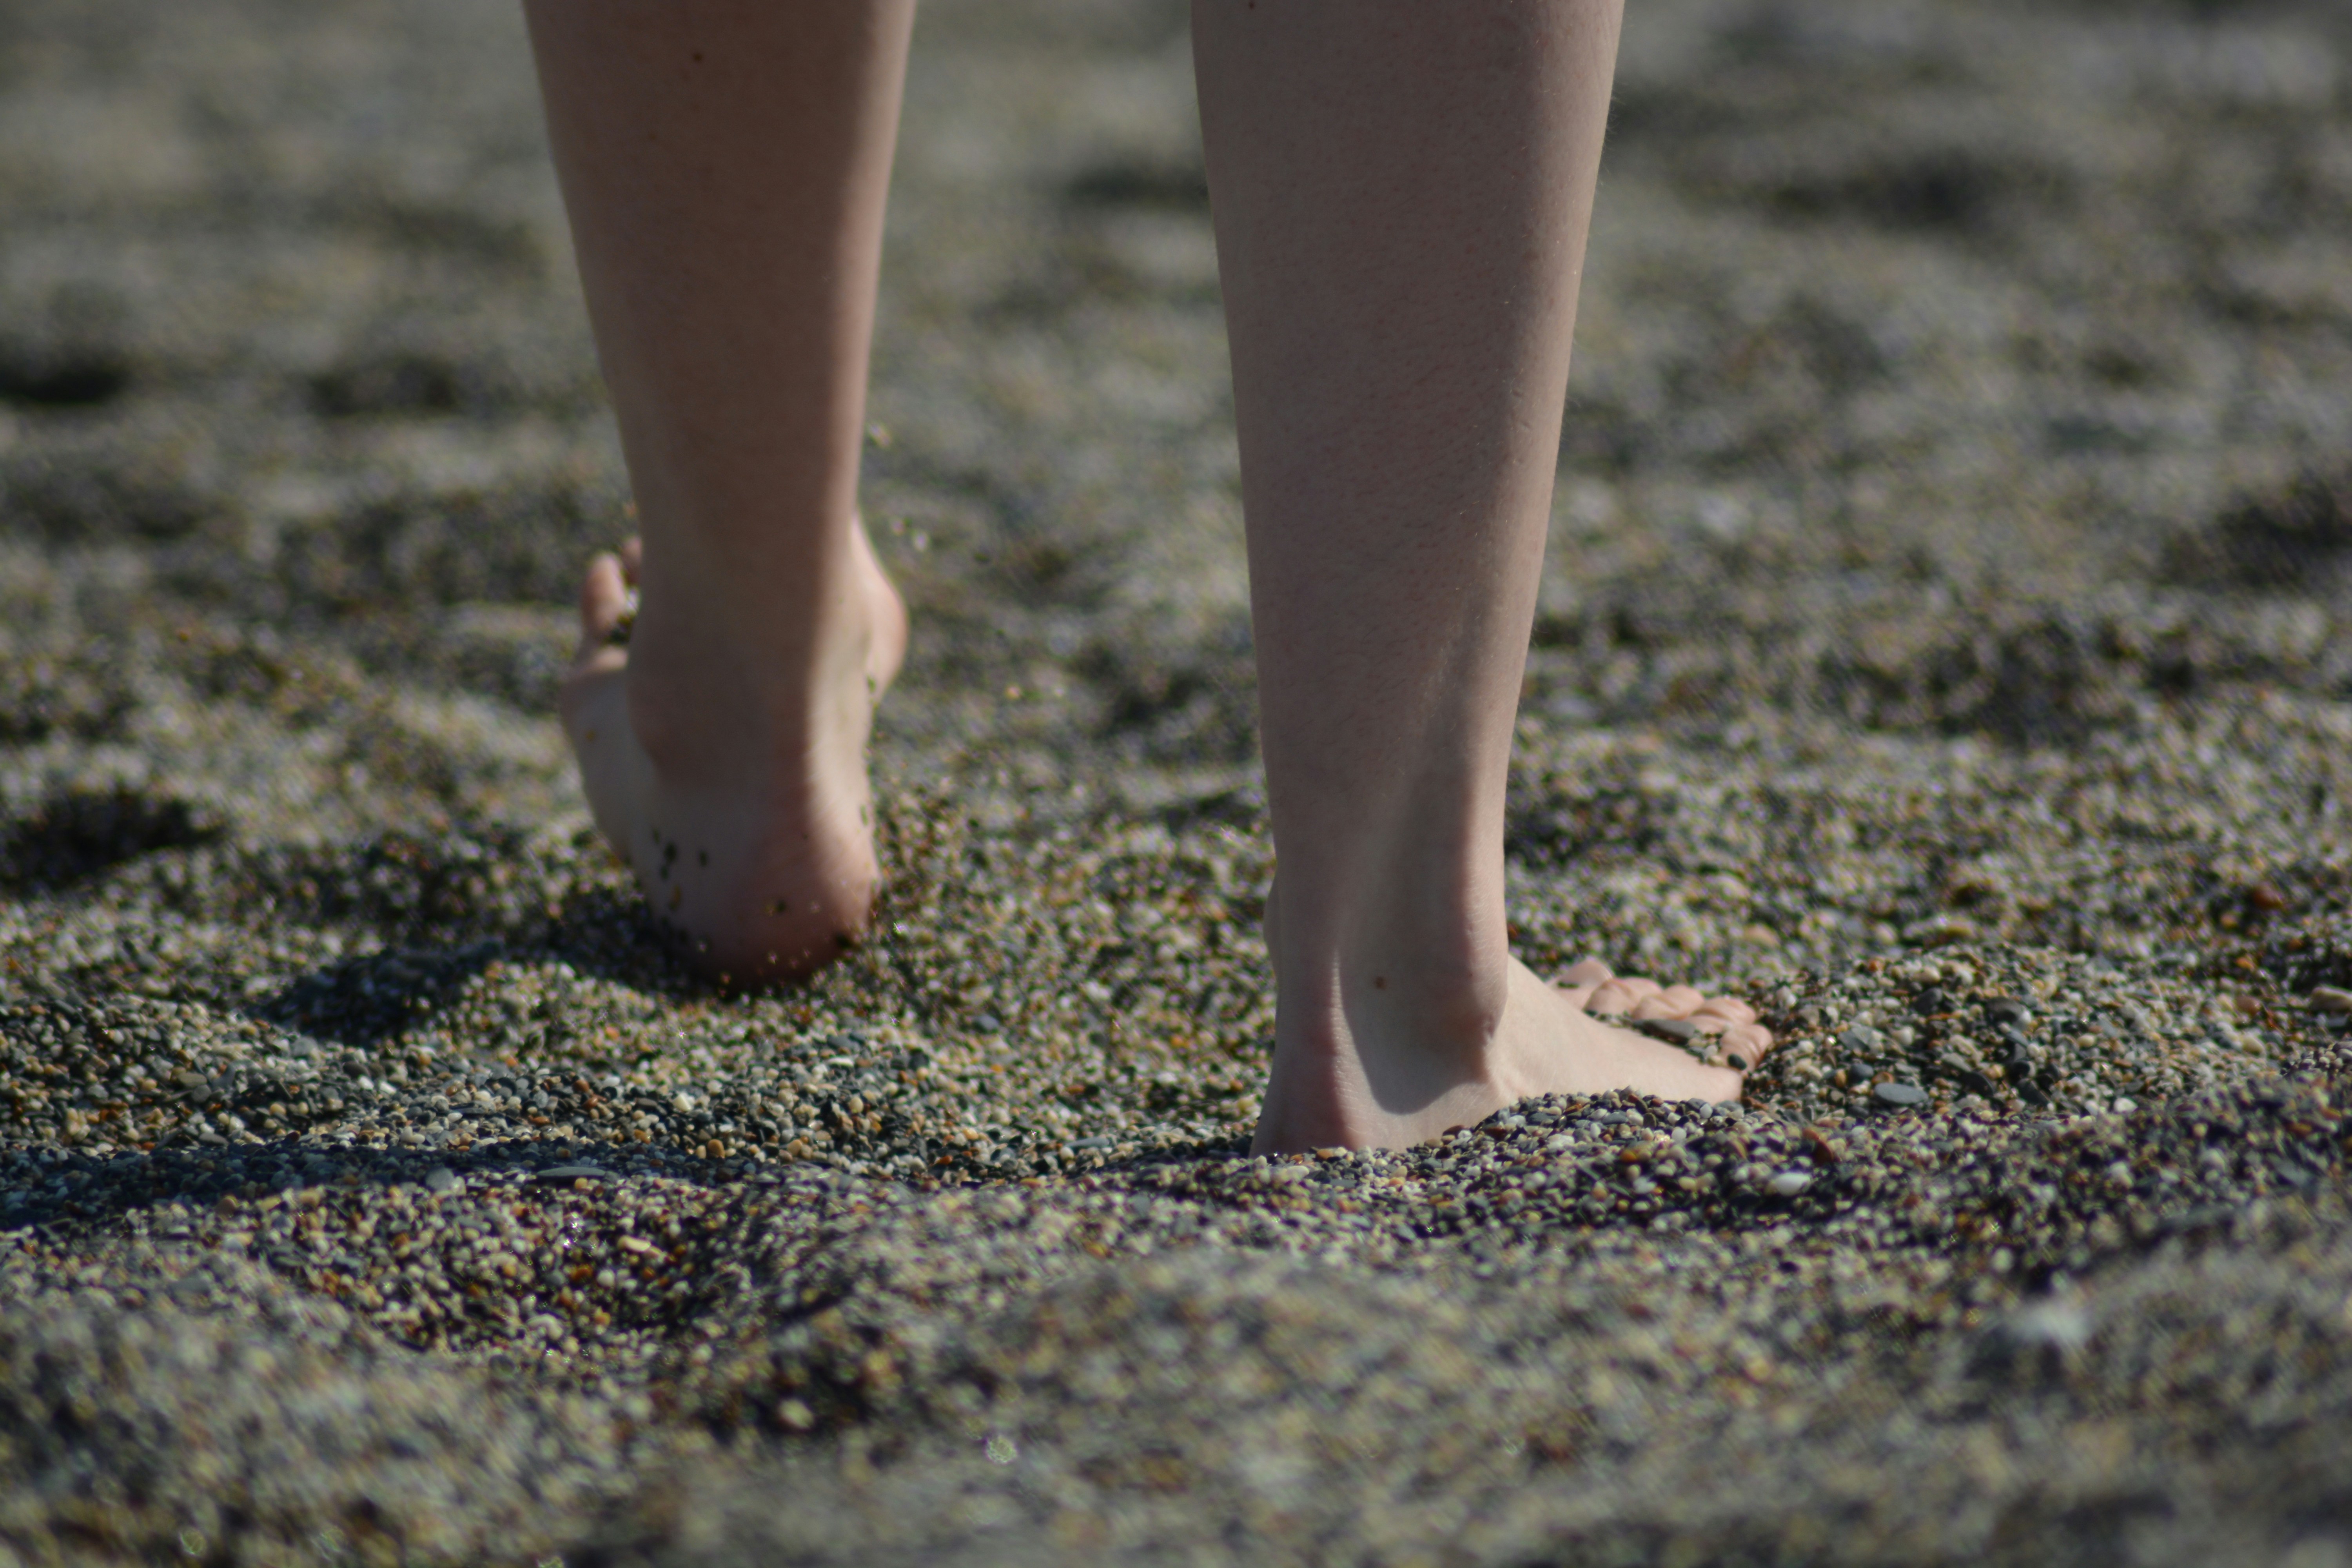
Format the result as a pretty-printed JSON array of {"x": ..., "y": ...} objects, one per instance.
[{"x": 1943, "y": 644}]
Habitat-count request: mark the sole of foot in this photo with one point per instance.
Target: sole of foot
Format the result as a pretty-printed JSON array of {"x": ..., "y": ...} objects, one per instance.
[{"x": 749, "y": 820}]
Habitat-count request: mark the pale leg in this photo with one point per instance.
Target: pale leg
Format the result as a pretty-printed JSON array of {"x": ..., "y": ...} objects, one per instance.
[
  {"x": 725, "y": 164},
  {"x": 1401, "y": 191}
]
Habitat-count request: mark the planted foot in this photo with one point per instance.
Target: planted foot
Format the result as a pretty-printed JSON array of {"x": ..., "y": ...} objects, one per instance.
[
  {"x": 1370, "y": 1074},
  {"x": 721, "y": 744}
]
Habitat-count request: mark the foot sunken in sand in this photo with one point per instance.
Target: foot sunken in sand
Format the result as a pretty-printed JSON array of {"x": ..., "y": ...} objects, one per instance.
[
  {"x": 726, "y": 763},
  {"x": 1365, "y": 1078}
]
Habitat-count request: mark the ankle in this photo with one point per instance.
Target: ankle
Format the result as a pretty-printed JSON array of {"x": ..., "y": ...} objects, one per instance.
[
  {"x": 711, "y": 692},
  {"x": 1364, "y": 1037},
  {"x": 1435, "y": 983}
]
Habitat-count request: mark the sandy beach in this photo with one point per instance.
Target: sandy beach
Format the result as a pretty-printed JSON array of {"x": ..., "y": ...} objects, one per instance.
[{"x": 1943, "y": 644}]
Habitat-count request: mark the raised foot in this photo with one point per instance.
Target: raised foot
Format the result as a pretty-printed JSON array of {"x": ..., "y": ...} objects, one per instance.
[
  {"x": 1364, "y": 1091},
  {"x": 747, "y": 820}
]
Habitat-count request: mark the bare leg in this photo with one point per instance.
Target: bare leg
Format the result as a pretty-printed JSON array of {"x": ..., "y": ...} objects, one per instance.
[
  {"x": 725, "y": 164},
  {"x": 1402, "y": 191}
]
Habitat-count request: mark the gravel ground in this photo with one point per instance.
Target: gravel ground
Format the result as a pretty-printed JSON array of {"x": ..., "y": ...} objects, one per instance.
[{"x": 1939, "y": 646}]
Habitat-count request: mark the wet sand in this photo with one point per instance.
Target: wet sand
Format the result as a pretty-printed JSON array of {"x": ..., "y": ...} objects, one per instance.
[{"x": 1941, "y": 644}]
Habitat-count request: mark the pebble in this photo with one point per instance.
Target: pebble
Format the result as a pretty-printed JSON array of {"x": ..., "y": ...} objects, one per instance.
[
  {"x": 572, "y": 1174},
  {"x": 1900, "y": 1096},
  {"x": 1941, "y": 930},
  {"x": 2058, "y": 1328}
]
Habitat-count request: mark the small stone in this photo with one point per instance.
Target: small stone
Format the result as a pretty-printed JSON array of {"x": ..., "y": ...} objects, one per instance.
[
  {"x": 2330, "y": 999},
  {"x": 1679, "y": 1031},
  {"x": 2058, "y": 1327},
  {"x": 1939, "y": 931},
  {"x": 2008, "y": 1010},
  {"x": 1964, "y": 1073},
  {"x": 1861, "y": 1037},
  {"x": 441, "y": 1180},
  {"x": 1898, "y": 1095},
  {"x": 1788, "y": 1184},
  {"x": 573, "y": 1174}
]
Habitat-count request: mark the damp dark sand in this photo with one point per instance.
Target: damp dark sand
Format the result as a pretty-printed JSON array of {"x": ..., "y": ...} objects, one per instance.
[{"x": 1944, "y": 644}]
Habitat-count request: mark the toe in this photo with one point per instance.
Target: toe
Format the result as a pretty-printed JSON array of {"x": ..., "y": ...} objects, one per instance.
[
  {"x": 1655, "y": 1006},
  {"x": 1684, "y": 999},
  {"x": 1609, "y": 999},
  {"x": 1730, "y": 1009},
  {"x": 633, "y": 560},
  {"x": 1742, "y": 1045},
  {"x": 603, "y": 600},
  {"x": 1579, "y": 981}
]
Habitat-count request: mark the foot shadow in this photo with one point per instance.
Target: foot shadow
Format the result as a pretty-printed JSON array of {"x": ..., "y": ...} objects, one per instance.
[
  {"x": 366, "y": 1002},
  {"x": 380, "y": 997},
  {"x": 60, "y": 1191},
  {"x": 78, "y": 835}
]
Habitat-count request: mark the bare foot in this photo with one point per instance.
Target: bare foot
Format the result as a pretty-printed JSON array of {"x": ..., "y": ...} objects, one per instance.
[
  {"x": 732, "y": 778},
  {"x": 1361, "y": 1081}
]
